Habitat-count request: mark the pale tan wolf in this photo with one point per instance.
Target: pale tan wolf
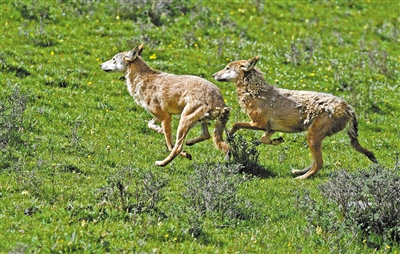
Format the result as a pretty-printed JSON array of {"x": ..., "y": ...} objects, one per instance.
[
  {"x": 196, "y": 100},
  {"x": 274, "y": 109}
]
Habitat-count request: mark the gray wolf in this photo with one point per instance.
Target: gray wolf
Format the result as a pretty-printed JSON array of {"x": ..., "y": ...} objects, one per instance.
[
  {"x": 196, "y": 100},
  {"x": 273, "y": 109}
]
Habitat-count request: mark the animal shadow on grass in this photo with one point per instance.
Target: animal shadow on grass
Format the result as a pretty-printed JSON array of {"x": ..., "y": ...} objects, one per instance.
[{"x": 246, "y": 154}]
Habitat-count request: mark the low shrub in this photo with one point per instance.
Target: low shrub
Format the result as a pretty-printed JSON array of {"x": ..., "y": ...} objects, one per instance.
[
  {"x": 157, "y": 12},
  {"x": 213, "y": 188},
  {"x": 212, "y": 191},
  {"x": 11, "y": 125},
  {"x": 132, "y": 191},
  {"x": 365, "y": 203},
  {"x": 246, "y": 154}
]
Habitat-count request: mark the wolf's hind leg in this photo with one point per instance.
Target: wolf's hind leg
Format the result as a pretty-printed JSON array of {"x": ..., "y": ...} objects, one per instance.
[
  {"x": 319, "y": 129},
  {"x": 297, "y": 172},
  {"x": 177, "y": 149},
  {"x": 204, "y": 135},
  {"x": 188, "y": 120},
  {"x": 153, "y": 125},
  {"x": 166, "y": 129}
]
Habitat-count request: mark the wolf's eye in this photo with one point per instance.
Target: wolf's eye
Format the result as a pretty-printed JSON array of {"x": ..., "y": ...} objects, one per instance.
[{"x": 227, "y": 68}]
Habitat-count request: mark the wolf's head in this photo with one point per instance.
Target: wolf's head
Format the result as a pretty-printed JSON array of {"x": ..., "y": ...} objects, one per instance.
[
  {"x": 235, "y": 69},
  {"x": 120, "y": 61}
]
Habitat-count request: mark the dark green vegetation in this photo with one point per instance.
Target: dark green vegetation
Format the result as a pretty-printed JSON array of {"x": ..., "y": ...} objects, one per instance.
[{"x": 77, "y": 159}]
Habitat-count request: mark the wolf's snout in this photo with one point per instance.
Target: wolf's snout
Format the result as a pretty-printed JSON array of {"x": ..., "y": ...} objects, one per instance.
[
  {"x": 104, "y": 68},
  {"x": 217, "y": 77}
]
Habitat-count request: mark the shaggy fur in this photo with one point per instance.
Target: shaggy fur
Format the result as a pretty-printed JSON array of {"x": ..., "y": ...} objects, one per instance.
[
  {"x": 196, "y": 100},
  {"x": 273, "y": 109}
]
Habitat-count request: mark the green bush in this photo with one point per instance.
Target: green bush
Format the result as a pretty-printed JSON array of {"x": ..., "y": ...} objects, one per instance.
[
  {"x": 366, "y": 203},
  {"x": 212, "y": 191},
  {"x": 11, "y": 126},
  {"x": 132, "y": 191},
  {"x": 245, "y": 153},
  {"x": 213, "y": 188},
  {"x": 155, "y": 12}
]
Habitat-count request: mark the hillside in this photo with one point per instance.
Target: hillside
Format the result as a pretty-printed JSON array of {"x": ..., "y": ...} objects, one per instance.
[{"x": 77, "y": 165}]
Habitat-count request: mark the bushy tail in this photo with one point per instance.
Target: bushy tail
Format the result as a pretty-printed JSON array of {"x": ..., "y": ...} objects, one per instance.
[
  {"x": 219, "y": 130},
  {"x": 353, "y": 134}
]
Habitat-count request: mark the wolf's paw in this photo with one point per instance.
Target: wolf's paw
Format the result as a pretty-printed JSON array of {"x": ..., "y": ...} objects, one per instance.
[
  {"x": 301, "y": 177},
  {"x": 277, "y": 141},
  {"x": 160, "y": 163},
  {"x": 231, "y": 132},
  {"x": 297, "y": 172},
  {"x": 188, "y": 156},
  {"x": 227, "y": 156},
  {"x": 190, "y": 143},
  {"x": 159, "y": 130},
  {"x": 256, "y": 142}
]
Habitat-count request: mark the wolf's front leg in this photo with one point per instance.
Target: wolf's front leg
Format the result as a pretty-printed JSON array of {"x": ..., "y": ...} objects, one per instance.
[
  {"x": 185, "y": 124},
  {"x": 166, "y": 129},
  {"x": 266, "y": 139},
  {"x": 240, "y": 125},
  {"x": 153, "y": 125}
]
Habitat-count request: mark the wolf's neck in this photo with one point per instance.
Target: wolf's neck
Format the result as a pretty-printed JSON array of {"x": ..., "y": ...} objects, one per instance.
[
  {"x": 138, "y": 73},
  {"x": 139, "y": 67},
  {"x": 251, "y": 85}
]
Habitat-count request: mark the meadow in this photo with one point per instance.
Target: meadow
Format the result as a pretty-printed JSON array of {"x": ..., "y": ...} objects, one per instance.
[{"x": 77, "y": 158}]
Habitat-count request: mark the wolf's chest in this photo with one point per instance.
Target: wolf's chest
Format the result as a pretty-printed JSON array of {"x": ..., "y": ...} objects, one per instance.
[{"x": 136, "y": 91}]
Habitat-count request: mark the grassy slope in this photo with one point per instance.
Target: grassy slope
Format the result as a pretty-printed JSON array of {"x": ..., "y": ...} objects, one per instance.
[{"x": 81, "y": 125}]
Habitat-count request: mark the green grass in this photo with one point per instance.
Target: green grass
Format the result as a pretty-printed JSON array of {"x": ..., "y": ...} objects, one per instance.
[{"x": 80, "y": 127}]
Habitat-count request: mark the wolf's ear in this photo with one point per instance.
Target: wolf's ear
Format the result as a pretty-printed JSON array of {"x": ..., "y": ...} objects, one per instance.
[
  {"x": 140, "y": 49},
  {"x": 131, "y": 55},
  {"x": 250, "y": 64}
]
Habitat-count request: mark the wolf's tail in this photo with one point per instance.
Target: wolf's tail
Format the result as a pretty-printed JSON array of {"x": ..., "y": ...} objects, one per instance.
[
  {"x": 219, "y": 130},
  {"x": 353, "y": 135}
]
